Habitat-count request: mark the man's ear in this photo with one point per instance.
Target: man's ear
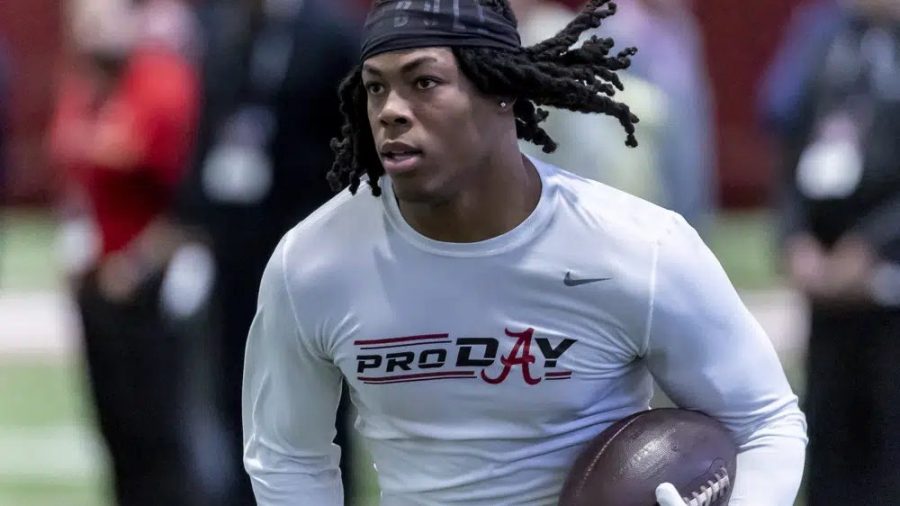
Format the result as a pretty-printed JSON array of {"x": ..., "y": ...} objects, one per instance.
[{"x": 506, "y": 103}]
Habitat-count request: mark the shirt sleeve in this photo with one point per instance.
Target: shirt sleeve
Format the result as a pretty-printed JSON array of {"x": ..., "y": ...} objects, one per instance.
[
  {"x": 290, "y": 397},
  {"x": 709, "y": 354}
]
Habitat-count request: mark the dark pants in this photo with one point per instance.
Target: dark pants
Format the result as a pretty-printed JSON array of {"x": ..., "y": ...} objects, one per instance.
[
  {"x": 853, "y": 408},
  {"x": 135, "y": 370}
]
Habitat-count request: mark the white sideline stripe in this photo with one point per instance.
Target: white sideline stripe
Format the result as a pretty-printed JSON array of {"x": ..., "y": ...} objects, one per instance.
[
  {"x": 38, "y": 323},
  {"x": 60, "y": 453}
]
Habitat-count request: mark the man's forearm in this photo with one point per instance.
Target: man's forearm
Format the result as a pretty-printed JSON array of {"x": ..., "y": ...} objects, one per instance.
[
  {"x": 293, "y": 486},
  {"x": 769, "y": 472}
]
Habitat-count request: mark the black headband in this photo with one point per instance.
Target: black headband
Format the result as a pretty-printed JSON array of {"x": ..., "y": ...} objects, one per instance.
[{"x": 409, "y": 24}]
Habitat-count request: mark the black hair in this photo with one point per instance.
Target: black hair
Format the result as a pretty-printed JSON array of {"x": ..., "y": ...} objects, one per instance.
[{"x": 550, "y": 73}]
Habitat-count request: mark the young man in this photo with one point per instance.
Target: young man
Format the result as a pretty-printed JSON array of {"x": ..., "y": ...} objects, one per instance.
[{"x": 491, "y": 313}]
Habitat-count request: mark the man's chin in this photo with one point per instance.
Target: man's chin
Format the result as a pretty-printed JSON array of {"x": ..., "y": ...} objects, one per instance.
[{"x": 412, "y": 192}]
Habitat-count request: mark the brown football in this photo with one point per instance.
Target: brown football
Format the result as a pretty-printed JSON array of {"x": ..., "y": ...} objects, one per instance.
[{"x": 624, "y": 465}]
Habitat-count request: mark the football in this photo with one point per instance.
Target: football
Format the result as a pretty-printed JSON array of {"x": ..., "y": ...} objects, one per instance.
[{"x": 624, "y": 464}]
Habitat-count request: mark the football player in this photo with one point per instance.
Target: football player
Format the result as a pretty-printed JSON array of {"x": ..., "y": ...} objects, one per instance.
[{"x": 492, "y": 313}]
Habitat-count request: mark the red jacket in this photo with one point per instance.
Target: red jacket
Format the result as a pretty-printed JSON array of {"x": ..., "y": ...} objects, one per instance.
[{"x": 129, "y": 153}]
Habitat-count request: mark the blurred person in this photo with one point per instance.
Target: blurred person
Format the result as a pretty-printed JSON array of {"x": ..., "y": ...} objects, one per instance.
[
  {"x": 837, "y": 115},
  {"x": 122, "y": 131},
  {"x": 672, "y": 58},
  {"x": 492, "y": 313},
  {"x": 592, "y": 145},
  {"x": 270, "y": 72}
]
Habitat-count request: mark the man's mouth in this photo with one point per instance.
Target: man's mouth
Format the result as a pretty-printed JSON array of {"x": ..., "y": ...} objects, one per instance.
[{"x": 399, "y": 156}]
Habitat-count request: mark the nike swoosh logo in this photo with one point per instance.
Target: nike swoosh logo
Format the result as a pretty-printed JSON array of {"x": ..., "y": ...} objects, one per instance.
[{"x": 570, "y": 281}]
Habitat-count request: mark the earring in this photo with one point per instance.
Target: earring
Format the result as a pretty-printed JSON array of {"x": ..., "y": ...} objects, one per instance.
[{"x": 503, "y": 104}]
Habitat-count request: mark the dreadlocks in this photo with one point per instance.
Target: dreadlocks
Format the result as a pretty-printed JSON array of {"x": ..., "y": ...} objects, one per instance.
[{"x": 550, "y": 73}]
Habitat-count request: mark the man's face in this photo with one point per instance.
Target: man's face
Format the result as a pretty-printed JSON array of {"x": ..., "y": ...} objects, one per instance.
[{"x": 432, "y": 128}]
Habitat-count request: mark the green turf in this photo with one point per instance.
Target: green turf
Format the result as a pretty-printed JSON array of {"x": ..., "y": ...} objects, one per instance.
[
  {"x": 745, "y": 245},
  {"x": 52, "y": 494},
  {"x": 45, "y": 395},
  {"x": 42, "y": 394},
  {"x": 27, "y": 257}
]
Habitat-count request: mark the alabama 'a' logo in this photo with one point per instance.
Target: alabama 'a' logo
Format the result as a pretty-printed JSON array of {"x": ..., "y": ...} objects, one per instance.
[
  {"x": 434, "y": 357},
  {"x": 519, "y": 356}
]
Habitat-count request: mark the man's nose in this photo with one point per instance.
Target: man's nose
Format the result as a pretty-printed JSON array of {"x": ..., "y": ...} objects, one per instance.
[{"x": 395, "y": 112}]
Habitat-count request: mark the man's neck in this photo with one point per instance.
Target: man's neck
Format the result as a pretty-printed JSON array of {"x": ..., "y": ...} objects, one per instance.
[{"x": 506, "y": 193}]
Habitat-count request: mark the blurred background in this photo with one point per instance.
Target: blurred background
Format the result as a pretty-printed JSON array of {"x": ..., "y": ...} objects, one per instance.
[{"x": 152, "y": 152}]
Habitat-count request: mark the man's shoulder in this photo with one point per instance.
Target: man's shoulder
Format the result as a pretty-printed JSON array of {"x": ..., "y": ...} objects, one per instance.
[
  {"x": 322, "y": 256},
  {"x": 613, "y": 209},
  {"x": 335, "y": 230}
]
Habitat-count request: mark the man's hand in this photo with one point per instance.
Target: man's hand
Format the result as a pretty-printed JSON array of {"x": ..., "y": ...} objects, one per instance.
[
  {"x": 806, "y": 264},
  {"x": 839, "y": 277},
  {"x": 667, "y": 495},
  {"x": 118, "y": 277},
  {"x": 849, "y": 269}
]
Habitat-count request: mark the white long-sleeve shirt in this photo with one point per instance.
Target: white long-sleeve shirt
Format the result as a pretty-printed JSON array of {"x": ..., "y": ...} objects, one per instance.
[{"x": 480, "y": 370}]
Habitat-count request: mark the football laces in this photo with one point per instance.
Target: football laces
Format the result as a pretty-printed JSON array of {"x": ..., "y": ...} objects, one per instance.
[{"x": 713, "y": 490}]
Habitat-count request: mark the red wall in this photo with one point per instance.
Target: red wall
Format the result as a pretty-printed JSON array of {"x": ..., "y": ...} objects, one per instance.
[
  {"x": 31, "y": 29},
  {"x": 741, "y": 37}
]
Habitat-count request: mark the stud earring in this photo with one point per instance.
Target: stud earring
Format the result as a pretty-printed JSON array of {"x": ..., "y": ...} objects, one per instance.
[{"x": 503, "y": 104}]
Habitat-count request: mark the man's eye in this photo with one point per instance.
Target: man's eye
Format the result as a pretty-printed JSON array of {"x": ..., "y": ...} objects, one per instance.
[
  {"x": 374, "y": 88},
  {"x": 425, "y": 83}
]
